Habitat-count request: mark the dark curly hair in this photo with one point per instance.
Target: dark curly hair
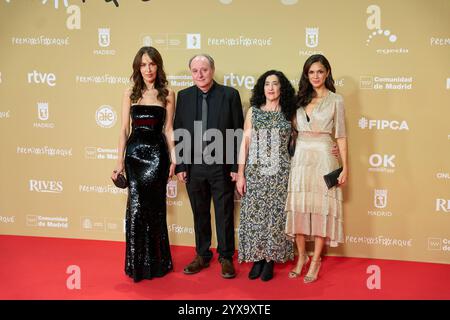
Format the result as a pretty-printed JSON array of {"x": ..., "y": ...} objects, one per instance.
[
  {"x": 138, "y": 81},
  {"x": 287, "y": 94},
  {"x": 306, "y": 91}
]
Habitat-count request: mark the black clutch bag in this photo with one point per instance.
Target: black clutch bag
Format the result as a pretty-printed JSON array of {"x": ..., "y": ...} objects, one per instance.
[
  {"x": 331, "y": 179},
  {"x": 121, "y": 182}
]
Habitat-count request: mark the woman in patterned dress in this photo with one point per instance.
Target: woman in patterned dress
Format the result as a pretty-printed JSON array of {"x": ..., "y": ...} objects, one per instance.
[
  {"x": 313, "y": 210},
  {"x": 263, "y": 175}
]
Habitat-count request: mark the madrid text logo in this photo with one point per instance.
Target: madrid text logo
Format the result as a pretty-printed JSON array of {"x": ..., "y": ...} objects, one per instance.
[
  {"x": 374, "y": 23},
  {"x": 443, "y": 205},
  {"x": 373, "y": 124},
  {"x": 105, "y": 116},
  {"x": 38, "y": 77},
  {"x": 382, "y": 163},
  {"x": 312, "y": 37},
  {"x": 43, "y": 115},
  {"x": 235, "y": 80},
  {"x": 193, "y": 41},
  {"x": 46, "y": 186},
  {"x": 171, "y": 189}
]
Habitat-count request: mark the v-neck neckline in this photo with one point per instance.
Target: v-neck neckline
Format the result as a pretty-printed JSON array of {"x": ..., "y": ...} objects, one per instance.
[{"x": 315, "y": 107}]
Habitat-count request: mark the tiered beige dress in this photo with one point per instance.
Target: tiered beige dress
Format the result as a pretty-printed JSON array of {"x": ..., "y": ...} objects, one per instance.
[{"x": 312, "y": 208}]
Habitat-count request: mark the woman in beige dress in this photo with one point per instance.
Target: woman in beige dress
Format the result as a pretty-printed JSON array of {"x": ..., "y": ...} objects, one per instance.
[{"x": 313, "y": 210}]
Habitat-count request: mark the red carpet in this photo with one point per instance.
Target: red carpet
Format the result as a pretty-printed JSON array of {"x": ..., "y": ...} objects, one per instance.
[{"x": 35, "y": 268}]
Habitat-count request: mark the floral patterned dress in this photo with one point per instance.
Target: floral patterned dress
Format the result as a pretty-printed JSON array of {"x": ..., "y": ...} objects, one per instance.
[{"x": 262, "y": 217}]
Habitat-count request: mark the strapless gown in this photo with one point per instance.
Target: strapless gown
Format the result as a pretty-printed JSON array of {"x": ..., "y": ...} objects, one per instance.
[{"x": 147, "y": 168}]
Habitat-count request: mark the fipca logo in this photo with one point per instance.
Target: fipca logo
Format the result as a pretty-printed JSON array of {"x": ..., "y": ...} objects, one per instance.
[
  {"x": 380, "y": 200},
  {"x": 311, "y": 41},
  {"x": 382, "y": 163},
  {"x": 46, "y": 186},
  {"x": 99, "y": 153},
  {"x": 240, "y": 81},
  {"x": 43, "y": 115},
  {"x": 385, "y": 83},
  {"x": 374, "y": 25},
  {"x": 105, "y": 116},
  {"x": 438, "y": 244},
  {"x": 443, "y": 205},
  {"x": 104, "y": 40},
  {"x": 372, "y": 124},
  {"x": 57, "y": 222}
]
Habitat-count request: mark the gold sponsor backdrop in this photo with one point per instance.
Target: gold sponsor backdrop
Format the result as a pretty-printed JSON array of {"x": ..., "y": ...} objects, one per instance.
[{"x": 63, "y": 70}]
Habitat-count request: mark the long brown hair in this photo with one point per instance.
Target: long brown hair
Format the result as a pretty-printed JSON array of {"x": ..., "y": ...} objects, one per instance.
[
  {"x": 306, "y": 91},
  {"x": 138, "y": 81}
]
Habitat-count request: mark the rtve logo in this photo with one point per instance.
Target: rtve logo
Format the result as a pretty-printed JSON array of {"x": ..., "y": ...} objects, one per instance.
[
  {"x": 38, "y": 77},
  {"x": 46, "y": 186},
  {"x": 234, "y": 80},
  {"x": 385, "y": 161},
  {"x": 364, "y": 123},
  {"x": 443, "y": 205}
]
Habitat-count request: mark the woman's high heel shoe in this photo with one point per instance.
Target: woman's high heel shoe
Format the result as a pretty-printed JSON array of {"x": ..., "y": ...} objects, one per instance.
[
  {"x": 293, "y": 273},
  {"x": 313, "y": 271}
]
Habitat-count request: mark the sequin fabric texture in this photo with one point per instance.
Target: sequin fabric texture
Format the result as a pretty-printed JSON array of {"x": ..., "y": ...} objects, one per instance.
[{"x": 147, "y": 168}]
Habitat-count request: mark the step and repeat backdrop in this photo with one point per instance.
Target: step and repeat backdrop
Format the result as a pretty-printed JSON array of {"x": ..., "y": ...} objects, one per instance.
[{"x": 64, "y": 65}]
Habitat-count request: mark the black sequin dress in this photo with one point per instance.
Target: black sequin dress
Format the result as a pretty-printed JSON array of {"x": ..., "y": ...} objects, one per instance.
[{"x": 147, "y": 169}]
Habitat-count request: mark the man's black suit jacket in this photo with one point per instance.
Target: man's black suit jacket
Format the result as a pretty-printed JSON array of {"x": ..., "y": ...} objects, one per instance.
[{"x": 224, "y": 112}]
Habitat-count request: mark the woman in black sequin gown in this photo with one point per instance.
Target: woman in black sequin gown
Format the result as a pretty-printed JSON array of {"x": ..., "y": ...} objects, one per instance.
[{"x": 149, "y": 104}]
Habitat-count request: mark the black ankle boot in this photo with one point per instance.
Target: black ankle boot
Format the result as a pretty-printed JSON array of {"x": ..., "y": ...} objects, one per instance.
[
  {"x": 256, "y": 270},
  {"x": 267, "y": 272}
]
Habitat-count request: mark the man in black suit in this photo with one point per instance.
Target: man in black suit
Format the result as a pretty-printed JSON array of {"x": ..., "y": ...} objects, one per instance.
[{"x": 209, "y": 168}]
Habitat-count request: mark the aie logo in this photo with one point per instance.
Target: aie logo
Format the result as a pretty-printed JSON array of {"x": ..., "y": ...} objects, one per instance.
[
  {"x": 443, "y": 205},
  {"x": 312, "y": 37},
  {"x": 364, "y": 123},
  {"x": 37, "y": 77},
  {"x": 46, "y": 186},
  {"x": 105, "y": 116}
]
